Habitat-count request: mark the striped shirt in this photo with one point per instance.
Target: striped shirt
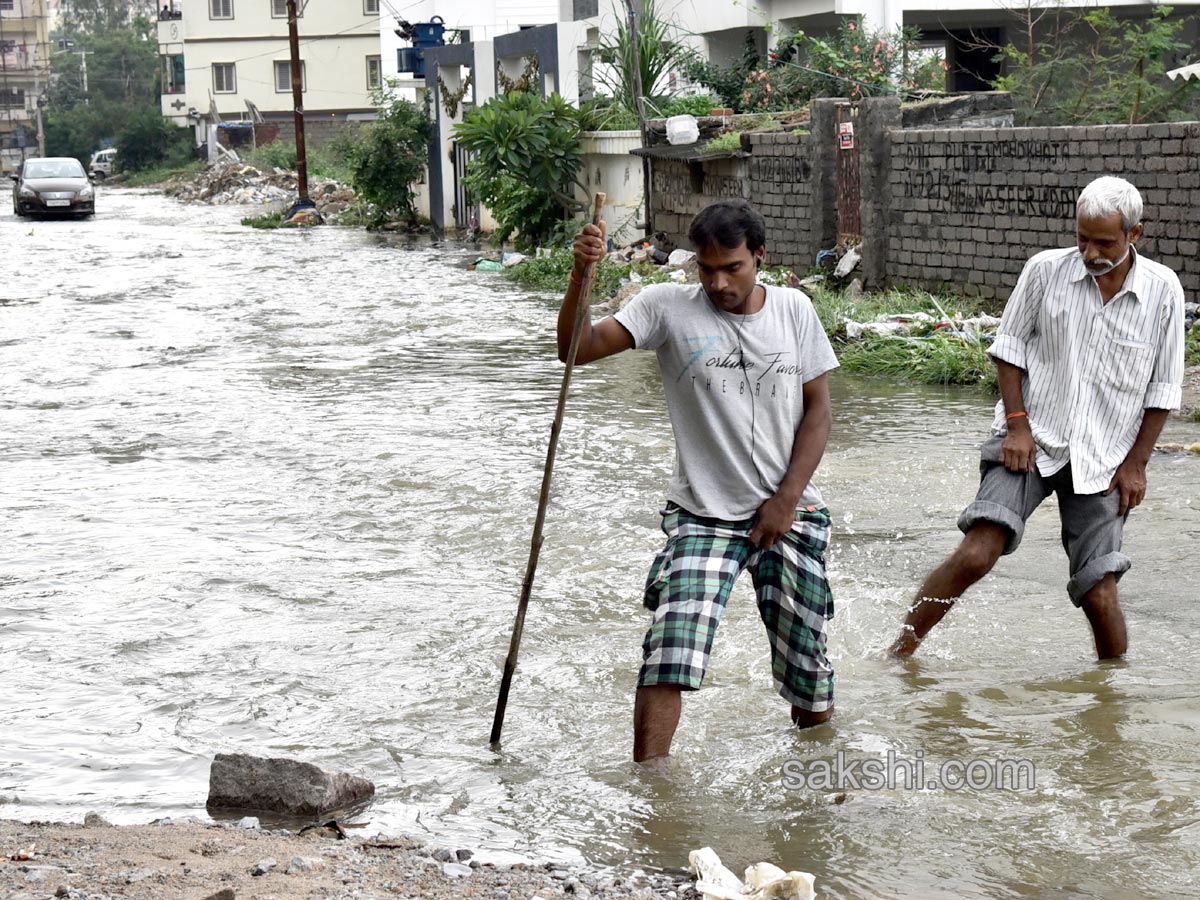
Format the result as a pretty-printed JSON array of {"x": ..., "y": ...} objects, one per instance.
[{"x": 1091, "y": 367}]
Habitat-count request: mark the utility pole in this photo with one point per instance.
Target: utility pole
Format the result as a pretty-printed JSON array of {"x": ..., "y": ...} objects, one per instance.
[
  {"x": 639, "y": 104},
  {"x": 37, "y": 105},
  {"x": 83, "y": 73},
  {"x": 298, "y": 104}
]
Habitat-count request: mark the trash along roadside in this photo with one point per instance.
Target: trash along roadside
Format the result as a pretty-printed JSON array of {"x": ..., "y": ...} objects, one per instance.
[{"x": 904, "y": 333}]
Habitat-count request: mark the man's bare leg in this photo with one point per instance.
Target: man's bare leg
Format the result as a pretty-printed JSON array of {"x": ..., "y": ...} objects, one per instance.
[
  {"x": 1108, "y": 622},
  {"x": 974, "y": 558},
  {"x": 803, "y": 718},
  {"x": 655, "y": 718}
]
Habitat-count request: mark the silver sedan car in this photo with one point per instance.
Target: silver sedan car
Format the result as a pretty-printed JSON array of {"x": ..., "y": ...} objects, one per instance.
[{"x": 53, "y": 186}]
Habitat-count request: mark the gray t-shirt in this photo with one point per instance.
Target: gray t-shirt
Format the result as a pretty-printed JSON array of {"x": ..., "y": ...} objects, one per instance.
[{"x": 734, "y": 422}]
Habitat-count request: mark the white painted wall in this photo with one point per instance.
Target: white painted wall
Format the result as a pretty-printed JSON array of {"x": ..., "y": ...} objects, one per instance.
[
  {"x": 336, "y": 38},
  {"x": 608, "y": 166}
]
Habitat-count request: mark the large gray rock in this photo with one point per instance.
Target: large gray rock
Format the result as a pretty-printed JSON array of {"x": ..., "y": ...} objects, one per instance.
[{"x": 238, "y": 781}]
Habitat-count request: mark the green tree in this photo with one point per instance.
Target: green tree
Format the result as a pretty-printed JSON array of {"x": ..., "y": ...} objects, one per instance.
[
  {"x": 851, "y": 60},
  {"x": 1098, "y": 69},
  {"x": 148, "y": 139},
  {"x": 527, "y": 163},
  {"x": 122, "y": 83},
  {"x": 388, "y": 157}
]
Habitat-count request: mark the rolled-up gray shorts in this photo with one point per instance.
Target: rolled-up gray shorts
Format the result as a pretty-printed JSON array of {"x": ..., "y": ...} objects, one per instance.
[{"x": 1091, "y": 529}]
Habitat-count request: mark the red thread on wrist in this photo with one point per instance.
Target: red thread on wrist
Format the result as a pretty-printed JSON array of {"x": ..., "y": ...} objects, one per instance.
[{"x": 1016, "y": 415}]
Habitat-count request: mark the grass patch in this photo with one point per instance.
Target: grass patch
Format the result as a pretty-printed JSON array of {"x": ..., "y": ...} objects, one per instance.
[
  {"x": 156, "y": 175},
  {"x": 270, "y": 220},
  {"x": 550, "y": 273},
  {"x": 282, "y": 155},
  {"x": 926, "y": 359},
  {"x": 1193, "y": 415},
  {"x": 1191, "y": 346},
  {"x": 730, "y": 140},
  {"x": 922, "y": 358}
]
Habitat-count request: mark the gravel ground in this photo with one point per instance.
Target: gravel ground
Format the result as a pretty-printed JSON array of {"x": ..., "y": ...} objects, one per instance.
[
  {"x": 195, "y": 860},
  {"x": 1191, "y": 390}
]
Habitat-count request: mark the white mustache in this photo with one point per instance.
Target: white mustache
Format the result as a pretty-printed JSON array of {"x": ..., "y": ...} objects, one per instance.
[{"x": 1104, "y": 266}]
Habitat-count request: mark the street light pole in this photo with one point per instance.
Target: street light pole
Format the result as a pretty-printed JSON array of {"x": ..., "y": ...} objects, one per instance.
[
  {"x": 297, "y": 101},
  {"x": 639, "y": 103}
]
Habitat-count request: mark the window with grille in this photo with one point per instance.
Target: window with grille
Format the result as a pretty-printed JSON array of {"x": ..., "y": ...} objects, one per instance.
[
  {"x": 6, "y": 5},
  {"x": 13, "y": 98},
  {"x": 283, "y": 77},
  {"x": 220, "y": 9},
  {"x": 279, "y": 9},
  {"x": 224, "y": 78},
  {"x": 371, "y": 7},
  {"x": 374, "y": 72}
]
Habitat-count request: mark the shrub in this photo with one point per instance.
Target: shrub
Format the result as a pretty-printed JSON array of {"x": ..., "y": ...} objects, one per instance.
[
  {"x": 527, "y": 163},
  {"x": 148, "y": 140},
  {"x": 389, "y": 157}
]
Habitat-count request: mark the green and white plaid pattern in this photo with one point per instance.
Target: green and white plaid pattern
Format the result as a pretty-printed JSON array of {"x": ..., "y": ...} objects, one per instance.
[{"x": 689, "y": 584}]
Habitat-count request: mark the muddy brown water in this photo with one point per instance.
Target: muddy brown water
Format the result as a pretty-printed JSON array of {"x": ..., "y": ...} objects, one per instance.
[{"x": 272, "y": 492}]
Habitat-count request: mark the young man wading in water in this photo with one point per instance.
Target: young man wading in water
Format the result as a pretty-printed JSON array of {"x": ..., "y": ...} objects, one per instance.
[
  {"x": 743, "y": 368},
  {"x": 1090, "y": 360}
]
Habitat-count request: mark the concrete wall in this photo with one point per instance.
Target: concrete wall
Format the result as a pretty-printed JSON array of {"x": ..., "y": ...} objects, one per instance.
[
  {"x": 608, "y": 166},
  {"x": 961, "y": 208},
  {"x": 968, "y": 208}
]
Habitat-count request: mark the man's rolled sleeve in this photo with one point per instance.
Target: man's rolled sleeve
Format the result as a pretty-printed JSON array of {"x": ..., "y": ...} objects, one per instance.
[
  {"x": 1165, "y": 390},
  {"x": 1162, "y": 396},
  {"x": 1018, "y": 325},
  {"x": 1009, "y": 348}
]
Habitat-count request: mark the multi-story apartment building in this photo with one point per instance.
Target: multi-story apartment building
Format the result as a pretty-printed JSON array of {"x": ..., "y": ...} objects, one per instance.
[
  {"x": 223, "y": 56},
  {"x": 24, "y": 78}
]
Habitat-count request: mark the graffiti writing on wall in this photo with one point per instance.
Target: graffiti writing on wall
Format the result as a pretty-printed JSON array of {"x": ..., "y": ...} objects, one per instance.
[
  {"x": 958, "y": 195},
  {"x": 941, "y": 173},
  {"x": 780, "y": 169},
  {"x": 986, "y": 157},
  {"x": 720, "y": 186}
]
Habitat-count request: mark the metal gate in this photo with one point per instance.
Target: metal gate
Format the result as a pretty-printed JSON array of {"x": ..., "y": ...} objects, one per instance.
[
  {"x": 466, "y": 210},
  {"x": 849, "y": 176}
]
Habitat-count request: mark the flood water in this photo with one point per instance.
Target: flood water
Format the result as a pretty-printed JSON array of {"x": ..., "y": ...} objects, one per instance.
[{"x": 272, "y": 493}]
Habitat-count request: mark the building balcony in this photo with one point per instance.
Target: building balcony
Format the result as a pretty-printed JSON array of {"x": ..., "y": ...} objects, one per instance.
[{"x": 170, "y": 30}]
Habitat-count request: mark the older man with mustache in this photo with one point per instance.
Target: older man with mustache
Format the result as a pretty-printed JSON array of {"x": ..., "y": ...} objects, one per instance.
[{"x": 1090, "y": 361}]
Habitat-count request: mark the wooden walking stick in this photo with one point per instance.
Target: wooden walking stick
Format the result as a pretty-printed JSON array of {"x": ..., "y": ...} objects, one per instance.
[{"x": 581, "y": 314}]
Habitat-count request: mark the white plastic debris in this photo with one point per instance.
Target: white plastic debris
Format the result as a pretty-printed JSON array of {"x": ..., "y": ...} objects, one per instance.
[
  {"x": 511, "y": 259},
  {"x": 847, "y": 263},
  {"x": 680, "y": 257},
  {"x": 678, "y": 276},
  {"x": 682, "y": 130},
  {"x": 763, "y": 881}
]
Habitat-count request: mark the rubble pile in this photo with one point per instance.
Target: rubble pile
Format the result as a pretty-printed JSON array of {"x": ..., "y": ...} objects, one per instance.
[{"x": 231, "y": 182}]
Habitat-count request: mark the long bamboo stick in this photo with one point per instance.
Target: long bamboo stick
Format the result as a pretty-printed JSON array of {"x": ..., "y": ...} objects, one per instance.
[{"x": 514, "y": 647}]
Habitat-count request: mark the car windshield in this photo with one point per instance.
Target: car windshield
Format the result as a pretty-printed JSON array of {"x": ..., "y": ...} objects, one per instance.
[{"x": 54, "y": 168}]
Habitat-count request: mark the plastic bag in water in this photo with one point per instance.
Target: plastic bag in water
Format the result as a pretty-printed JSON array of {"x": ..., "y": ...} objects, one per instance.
[{"x": 764, "y": 881}]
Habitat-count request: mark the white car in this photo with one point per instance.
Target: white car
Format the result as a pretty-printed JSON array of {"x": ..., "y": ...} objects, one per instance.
[{"x": 101, "y": 166}]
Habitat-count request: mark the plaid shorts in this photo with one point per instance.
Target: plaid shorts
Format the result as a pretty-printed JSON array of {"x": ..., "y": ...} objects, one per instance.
[{"x": 689, "y": 584}]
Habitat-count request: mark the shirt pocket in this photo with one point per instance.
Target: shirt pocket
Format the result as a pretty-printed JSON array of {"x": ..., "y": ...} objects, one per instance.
[{"x": 1128, "y": 365}]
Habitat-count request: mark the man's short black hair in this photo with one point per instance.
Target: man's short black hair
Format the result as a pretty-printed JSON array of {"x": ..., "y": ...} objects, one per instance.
[{"x": 728, "y": 224}]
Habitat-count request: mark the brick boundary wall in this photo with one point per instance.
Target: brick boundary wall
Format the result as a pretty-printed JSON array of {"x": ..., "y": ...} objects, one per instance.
[
  {"x": 962, "y": 209},
  {"x": 679, "y": 189},
  {"x": 968, "y": 208}
]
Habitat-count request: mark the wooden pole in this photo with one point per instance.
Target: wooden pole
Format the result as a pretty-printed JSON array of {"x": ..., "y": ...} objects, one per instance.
[
  {"x": 514, "y": 646},
  {"x": 297, "y": 100}
]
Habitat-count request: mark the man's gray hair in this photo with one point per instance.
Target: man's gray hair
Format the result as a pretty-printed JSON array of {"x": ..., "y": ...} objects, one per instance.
[{"x": 1108, "y": 195}]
